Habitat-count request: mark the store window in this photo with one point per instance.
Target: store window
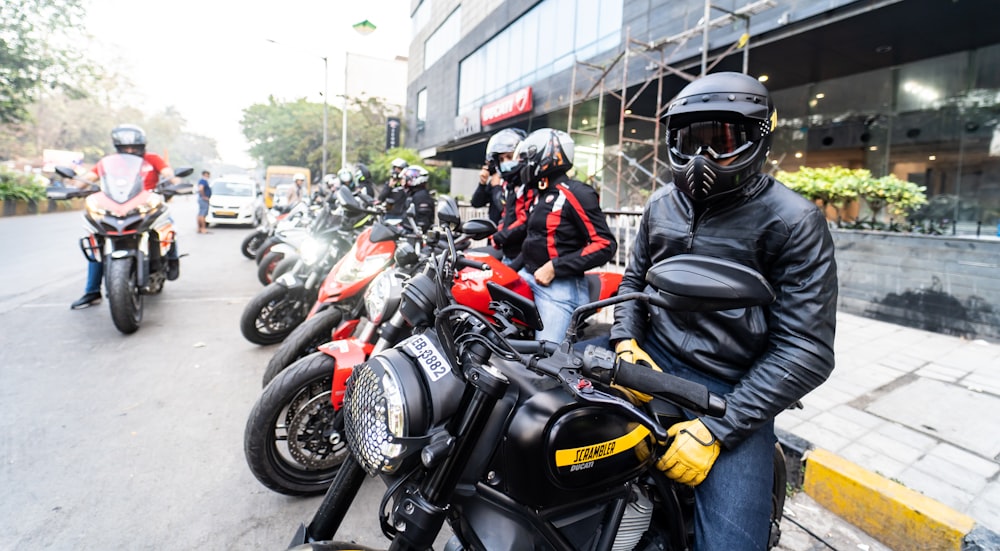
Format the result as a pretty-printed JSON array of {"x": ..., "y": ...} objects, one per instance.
[
  {"x": 421, "y": 109},
  {"x": 443, "y": 38},
  {"x": 934, "y": 122},
  {"x": 531, "y": 49}
]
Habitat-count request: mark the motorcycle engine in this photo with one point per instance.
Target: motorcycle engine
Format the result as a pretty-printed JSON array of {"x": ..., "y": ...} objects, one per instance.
[{"x": 635, "y": 522}]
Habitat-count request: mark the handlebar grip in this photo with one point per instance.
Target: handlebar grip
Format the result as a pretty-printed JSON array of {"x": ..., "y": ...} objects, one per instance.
[
  {"x": 685, "y": 393},
  {"x": 463, "y": 262}
]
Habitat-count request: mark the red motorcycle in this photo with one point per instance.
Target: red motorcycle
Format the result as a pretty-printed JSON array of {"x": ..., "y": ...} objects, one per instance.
[{"x": 294, "y": 440}]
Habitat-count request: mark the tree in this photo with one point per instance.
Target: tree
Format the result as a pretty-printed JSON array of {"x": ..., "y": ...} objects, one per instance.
[
  {"x": 30, "y": 57},
  {"x": 291, "y": 133}
]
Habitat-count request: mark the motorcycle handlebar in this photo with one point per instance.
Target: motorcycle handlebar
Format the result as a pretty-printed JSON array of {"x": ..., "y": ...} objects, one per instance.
[
  {"x": 683, "y": 392},
  {"x": 463, "y": 262}
]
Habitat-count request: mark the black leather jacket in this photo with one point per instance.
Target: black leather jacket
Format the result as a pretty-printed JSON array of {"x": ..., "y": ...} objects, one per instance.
[{"x": 774, "y": 354}]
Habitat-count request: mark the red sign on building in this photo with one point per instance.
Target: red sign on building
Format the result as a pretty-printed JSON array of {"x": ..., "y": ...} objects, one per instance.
[{"x": 506, "y": 107}]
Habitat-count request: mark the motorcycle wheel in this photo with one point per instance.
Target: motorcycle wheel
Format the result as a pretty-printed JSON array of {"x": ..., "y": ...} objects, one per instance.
[
  {"x": 123, "y": 295},
  {"x": 265, "y": 247},
  {"x": 272, "y": 314},
  {"x": 251, "y": 243},
  {"x": 293, "y": 441},
  {"x": 302, "y": 341},
  {"x": 265, "y": 269},
  {"x": 286, "y": 264}
]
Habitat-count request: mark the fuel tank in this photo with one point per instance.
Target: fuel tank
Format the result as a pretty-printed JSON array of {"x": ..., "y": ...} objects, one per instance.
[{"x": 557, "y": 450}]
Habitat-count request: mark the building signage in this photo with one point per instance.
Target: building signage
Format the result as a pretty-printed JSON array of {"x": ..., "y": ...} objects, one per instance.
[
  {"x": 467, "y": 124},
  {"x": 392, "y": 125},
  {"x": 506, "y": 107}
]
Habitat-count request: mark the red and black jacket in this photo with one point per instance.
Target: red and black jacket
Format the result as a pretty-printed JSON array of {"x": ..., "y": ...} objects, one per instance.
[
  {"x": 566, "y": 225},
  {"x": 513, "y": 225}
]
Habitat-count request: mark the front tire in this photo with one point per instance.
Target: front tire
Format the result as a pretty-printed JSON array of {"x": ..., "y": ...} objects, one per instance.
[
  {"x": 123, "y": 295},
  {"x": 265, "y": 269},
  {"x": 283, "y": 266},
  {"x": 303, "y": 340},
  {"x": 272, "y": 314},
  {"x": 293, "y": 440},
  {"x": 251, "y": 243}
]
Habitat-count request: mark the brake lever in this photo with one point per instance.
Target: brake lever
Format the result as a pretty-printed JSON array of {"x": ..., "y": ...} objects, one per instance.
[{"x": 584, "y": 390}]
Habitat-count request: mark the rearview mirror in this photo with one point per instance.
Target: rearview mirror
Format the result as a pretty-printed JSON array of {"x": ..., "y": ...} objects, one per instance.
[
  {"x": 696, "y": 283},
  {"x": 66, "y": 172},
  {"x": 183, "y": 172},
  {"x": 479, "y": 228}
]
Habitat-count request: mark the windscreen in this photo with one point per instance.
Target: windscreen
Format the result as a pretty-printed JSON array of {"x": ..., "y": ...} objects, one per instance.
[{"x": 121, "y": 176}]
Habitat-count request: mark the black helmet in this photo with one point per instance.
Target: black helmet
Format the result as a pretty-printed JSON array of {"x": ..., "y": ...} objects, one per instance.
[
  {"x": 543, "y": 153},
  {"x": 361, "y": 174},
  {"x": 129, "y": 136},
  {"x": 719, "y": 134}
]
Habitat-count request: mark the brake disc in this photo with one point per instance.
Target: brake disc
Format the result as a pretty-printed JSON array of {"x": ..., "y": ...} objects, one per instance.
[{"x": 313, "y": 440}]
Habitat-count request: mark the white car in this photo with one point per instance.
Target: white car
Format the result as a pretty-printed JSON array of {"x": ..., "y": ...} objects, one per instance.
[{"x": 235, "y": 200}]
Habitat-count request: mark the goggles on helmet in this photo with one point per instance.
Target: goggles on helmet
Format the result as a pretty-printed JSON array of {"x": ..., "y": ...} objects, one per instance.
[{"x": 716, "y": 139}]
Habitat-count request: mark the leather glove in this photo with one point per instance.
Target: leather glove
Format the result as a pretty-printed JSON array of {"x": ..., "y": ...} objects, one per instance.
[
  {"x": 691, "y": 454},
  {"x": 629, "y": 351}
]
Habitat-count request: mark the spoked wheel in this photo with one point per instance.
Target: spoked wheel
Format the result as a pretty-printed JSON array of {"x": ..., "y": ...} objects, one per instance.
[
  {"x": 123, "y": 295},
  {"x": 303, "y": 340},
  {"x": 294, "y": 441},
  {"x": 271, "y": 315}
]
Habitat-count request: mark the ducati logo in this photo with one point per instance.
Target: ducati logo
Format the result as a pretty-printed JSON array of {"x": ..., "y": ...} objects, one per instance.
[{"x": 550, "y": 198}]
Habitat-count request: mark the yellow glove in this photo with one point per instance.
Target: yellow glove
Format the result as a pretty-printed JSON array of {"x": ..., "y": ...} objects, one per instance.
[
  {"x": 691, "y": 454},
  {"x": 630, "y": 352}
]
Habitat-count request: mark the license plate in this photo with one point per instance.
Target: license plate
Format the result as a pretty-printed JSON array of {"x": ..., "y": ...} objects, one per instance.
[
  {"x": 225, "y": 213},
  {"x": 428, "y": 356}
]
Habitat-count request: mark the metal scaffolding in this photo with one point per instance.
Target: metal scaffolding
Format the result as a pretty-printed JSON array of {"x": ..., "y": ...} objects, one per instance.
[{"x": 632, "y": 166}]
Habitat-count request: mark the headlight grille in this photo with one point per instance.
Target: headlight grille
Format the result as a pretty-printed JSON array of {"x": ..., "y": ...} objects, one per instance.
[{"x": 365, "y": 418}]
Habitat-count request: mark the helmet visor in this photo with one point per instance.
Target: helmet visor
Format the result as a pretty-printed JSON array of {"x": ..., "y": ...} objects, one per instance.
[{"x": 716, "y": 139}]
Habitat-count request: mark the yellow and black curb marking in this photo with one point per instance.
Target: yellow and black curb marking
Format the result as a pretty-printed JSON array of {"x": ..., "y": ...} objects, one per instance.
[{"x": 897, "y": 516}]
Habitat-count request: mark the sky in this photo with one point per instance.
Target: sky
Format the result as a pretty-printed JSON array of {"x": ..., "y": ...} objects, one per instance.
[{"x": 210, "y": 59}]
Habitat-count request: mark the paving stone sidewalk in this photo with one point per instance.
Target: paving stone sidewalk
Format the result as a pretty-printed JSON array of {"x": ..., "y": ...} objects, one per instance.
[{"x": 919, "y": 408}]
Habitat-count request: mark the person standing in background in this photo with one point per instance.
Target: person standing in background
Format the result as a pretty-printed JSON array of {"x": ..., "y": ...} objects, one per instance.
[{"x": 204, "y": 194}]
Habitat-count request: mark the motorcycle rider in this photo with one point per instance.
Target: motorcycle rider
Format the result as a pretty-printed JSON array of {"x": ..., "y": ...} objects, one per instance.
[
  {"x": 762, "y": 359},
  {"x": 128, "y": 139},
  {"x": 566, "y": 233},
  {"x": 296, "y": 192},
  {"x": 363, "y": 180},
  {"x": 517, "y": 198},
  {"x": 416, "y": 178},
  {"x": 393, "y": 192}
]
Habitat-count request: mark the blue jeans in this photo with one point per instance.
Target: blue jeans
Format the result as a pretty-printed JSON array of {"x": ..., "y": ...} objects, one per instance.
[
  {"x": 95, "y": 271},
  {"x": 556, "y": 302},
  {"x": 733, "y": 504}
]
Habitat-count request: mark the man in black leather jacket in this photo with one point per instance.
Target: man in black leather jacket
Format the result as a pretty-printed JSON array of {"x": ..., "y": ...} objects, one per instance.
[{"x": 762, "y": 359}]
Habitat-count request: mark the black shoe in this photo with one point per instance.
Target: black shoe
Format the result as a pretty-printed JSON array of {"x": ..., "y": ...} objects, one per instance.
[
  {"x": 173, "y": 268},
  {"x": 86, "y": 301}
]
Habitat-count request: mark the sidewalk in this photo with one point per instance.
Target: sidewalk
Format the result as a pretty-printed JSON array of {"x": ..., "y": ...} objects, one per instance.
[{"x": 910, "y": 407}]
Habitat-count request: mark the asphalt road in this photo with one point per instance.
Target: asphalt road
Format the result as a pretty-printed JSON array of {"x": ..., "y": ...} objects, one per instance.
[{"x": 112, "y": 441}]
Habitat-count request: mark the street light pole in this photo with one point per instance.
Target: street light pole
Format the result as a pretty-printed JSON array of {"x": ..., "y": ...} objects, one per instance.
[
  {"x": 326, "y": 81},
  {"x": 363, "y": 28},
  {"x": 343, "y": 123}
]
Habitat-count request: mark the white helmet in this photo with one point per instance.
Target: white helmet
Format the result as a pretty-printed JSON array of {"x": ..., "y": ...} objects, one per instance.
[{"x": 298, "y": 176}]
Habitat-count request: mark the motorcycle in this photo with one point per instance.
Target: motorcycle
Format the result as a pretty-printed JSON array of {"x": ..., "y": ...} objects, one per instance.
[
  {"x": 273, "y": 313},
  {"x": 339, "y": 310},
  {"x": 294, "y": 438},
  {"x": 130, "y": 233},
  {"x": 525, "y": 444}
]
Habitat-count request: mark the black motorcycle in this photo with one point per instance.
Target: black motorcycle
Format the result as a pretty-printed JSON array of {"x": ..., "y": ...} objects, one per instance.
[{"x": 524, "y": 444}]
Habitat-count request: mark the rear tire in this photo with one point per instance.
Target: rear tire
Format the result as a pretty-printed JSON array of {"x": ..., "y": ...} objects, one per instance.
[
  {"x": 303, "y": 340},
  {"x": 265, "y": 269},
  {"x": 251, "y": 243},
  {"x": 123, "y": 295},
  {"x": 272, "y": 314},
  {"x": 293, "y": 440}
]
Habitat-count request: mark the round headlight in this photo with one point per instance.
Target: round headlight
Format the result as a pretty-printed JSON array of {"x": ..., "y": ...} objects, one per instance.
[
  {"x": 311, "y": 250},
  {"x": 396, "y": 400},
  {"x": 377, "y": 296}
]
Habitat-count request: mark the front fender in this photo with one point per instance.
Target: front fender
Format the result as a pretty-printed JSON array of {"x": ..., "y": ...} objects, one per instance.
[{"x": 347, "y": 353}]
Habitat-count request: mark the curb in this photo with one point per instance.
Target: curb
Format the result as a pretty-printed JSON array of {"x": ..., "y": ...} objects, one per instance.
[{"x": 895, "y": 515}]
